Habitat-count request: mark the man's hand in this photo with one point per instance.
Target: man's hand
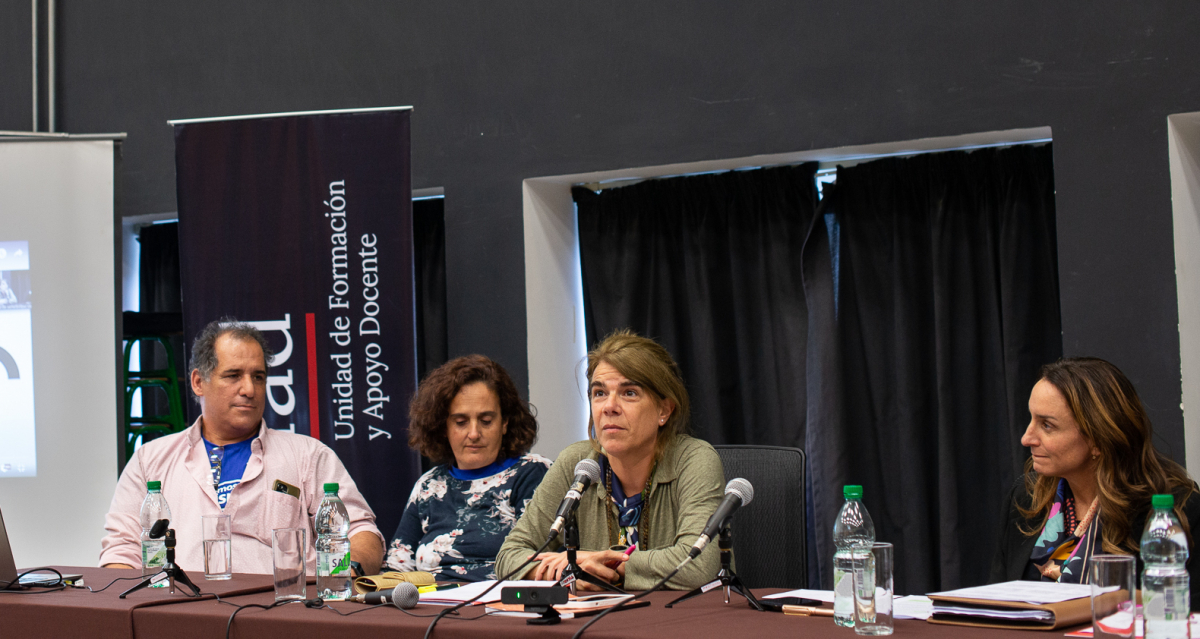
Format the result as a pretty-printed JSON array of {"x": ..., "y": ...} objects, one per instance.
[
  {"x": 125, "y": 566},
  {"x": 366, "y": 549},
  {"x": 608, "y": 565}
]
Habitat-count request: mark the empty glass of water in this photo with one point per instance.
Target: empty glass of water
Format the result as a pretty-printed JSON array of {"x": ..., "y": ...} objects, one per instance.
[{"x": 288, "y": 554}]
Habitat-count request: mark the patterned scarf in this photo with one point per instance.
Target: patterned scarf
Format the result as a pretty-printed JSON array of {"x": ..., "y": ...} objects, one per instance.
[{"x": 1064, "y": 545}]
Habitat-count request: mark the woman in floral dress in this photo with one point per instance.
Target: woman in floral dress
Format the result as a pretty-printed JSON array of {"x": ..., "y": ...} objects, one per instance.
[{"x": 468, "y": 419}]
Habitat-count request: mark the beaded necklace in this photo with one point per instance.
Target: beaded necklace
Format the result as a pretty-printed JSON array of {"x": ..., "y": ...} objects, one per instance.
[{"x": 643, "y": 521}]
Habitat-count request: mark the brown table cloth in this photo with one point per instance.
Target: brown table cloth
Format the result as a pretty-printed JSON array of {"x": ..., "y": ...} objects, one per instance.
[
  {"x": 705, "y": 617},
  {"x": 76, "y": 612}
]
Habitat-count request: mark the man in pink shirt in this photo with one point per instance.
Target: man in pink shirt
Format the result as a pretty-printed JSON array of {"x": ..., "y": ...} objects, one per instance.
[{"x": 229, "y": 462}]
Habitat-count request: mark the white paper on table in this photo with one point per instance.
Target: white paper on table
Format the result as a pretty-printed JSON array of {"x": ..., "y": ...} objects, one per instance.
[
  {"x": 458, "y": 595},
  {"x": 1034, "y": 592},
  {"x": 1193, "y": 621},
  {"x": 803, "y": 593},
  {"x": 912, "y": 607}
]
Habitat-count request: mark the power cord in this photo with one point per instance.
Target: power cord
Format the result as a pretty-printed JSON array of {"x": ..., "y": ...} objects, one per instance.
[
  {"x": 624, "y": 602},
  {"x": 90, "y": 589},
  {"x": 516, "y": 571},
  {"x": 25, "y": 590}
]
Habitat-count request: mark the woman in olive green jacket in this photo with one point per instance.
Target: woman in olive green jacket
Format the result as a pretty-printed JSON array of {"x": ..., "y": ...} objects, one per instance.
[{"x": 657, "y": 487}]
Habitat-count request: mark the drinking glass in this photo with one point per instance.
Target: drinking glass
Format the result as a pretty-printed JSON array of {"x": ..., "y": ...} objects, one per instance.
[
  {"x": 1113, "y": 579},
  {"x": 872, "y": 573},
  {"x": 288, "y": 552},
  {"x": 217, "y": 547}
]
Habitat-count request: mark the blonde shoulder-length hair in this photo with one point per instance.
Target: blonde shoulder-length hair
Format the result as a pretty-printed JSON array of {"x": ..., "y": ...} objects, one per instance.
[{"x": 645, "y": 362}]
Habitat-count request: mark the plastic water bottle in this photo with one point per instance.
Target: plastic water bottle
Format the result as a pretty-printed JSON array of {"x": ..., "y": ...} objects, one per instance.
[
  {"x": 1166, "y": 587},
  {"x": 333, "y": 546},
  {"x": 852, "y": 530},
  {"x": 154, "y": 508}
]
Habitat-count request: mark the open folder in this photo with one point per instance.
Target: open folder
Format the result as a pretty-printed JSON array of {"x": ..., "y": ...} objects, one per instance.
[{"x": 992, "y": 606}]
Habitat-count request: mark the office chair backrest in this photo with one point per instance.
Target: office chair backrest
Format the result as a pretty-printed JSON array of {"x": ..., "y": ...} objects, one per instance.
[{"x": 769, "y": 534}]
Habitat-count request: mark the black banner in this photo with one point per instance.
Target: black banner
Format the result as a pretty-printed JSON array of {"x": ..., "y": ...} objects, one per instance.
[{"x": 302, "y": 225}]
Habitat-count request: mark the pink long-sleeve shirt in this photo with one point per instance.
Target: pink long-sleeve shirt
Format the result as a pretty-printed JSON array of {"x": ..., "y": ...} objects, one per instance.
[{"x": 180, "y": 462}]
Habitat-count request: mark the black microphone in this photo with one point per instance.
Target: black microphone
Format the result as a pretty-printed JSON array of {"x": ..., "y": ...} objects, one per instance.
[
  {"x": 159, "y": 528},
  {"x": 587, "y": 472},
  {"x": 404, "y": 596},
  {"x": 738, "y": 493}
]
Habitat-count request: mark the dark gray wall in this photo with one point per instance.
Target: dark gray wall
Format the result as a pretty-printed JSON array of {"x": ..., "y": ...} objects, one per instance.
[
  {"x": 16, "y": 57},
  {"x": 506, "y": 91}
]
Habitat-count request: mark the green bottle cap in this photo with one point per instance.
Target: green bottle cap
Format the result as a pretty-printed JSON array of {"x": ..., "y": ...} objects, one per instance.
[
  {"x": 331, "y": 487},
  {"x": 154, "y": 485},
  {"x": 1163, "y": 501},
  {"x": 852, "y": 492}
]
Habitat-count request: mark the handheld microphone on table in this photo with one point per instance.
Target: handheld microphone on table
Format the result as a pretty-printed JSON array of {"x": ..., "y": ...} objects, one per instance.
[
  {"x": 587, "y": 472},
  {"x": 404, "y": 596},
  {"x": 738, "y": 493}
]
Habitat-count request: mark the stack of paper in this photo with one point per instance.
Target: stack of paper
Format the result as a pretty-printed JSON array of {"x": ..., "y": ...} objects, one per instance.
[
  {"x": 803, "y": 593},
  {"x": 1044, "y": 616},
  {"x": 912, "y": 607},
  {"x": 1034, "y": 592},
  {"x": 1016, "y": 603}
]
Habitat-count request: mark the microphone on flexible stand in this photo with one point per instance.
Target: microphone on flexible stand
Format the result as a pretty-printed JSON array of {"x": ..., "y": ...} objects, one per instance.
[
  {"x": 404, "y": 596},
  {"x": 587, "y": 472},
  {"x": 738, "y": 493}
]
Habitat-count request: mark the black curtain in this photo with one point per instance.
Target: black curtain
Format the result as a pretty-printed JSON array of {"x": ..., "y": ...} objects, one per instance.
[
  {"x": 946, "y": 304},
  {"x": 429, "y": 257},
  {"x": 709, "y": 265},
  {"x": 158, "y": 277}
]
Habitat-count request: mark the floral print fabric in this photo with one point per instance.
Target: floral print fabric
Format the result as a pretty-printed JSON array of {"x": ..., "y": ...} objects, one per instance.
[
  {"x": 454, "y": 527},
  {"x": 1059, "y": 554}
]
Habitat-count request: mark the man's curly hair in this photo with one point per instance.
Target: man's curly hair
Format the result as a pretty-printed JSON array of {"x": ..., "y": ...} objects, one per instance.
[{"x": 430, "y": 408}]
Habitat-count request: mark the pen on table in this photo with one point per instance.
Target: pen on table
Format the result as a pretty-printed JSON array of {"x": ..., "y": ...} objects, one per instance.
[
  {"x": 436, "y": 588},
  {"x": 808, "y": 611}
]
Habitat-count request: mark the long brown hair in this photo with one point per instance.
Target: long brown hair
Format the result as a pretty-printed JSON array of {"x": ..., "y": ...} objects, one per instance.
[{"x": 1129, "y": 470}]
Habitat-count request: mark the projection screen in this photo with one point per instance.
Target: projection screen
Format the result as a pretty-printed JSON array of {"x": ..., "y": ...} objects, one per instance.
[{"x": 58, "y": 345}]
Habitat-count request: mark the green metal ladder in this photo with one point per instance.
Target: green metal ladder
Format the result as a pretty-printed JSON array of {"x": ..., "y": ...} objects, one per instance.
[{"x": 151, "y": 426}]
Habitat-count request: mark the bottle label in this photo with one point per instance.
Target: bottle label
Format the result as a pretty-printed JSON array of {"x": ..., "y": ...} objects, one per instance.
[
  {"x": 154, "y": 554},
  {"x": 329, "y": 564}
]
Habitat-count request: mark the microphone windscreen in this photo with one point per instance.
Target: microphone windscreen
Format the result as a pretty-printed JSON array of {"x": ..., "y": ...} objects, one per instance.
[
  {"x": 589, "y": 468},
  {"x": 741, "y": 488},
  {"x": 159, "y": 528},
  {"x": 405, "y": 596}
]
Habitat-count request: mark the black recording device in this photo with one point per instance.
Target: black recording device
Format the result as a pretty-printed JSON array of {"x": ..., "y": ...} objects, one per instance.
[
  {"x": 534, "y": 595},
  {"x": 538, "y": 599}
]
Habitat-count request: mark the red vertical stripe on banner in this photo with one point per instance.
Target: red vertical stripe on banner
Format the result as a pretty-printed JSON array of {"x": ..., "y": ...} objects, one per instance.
[{"x": 314, "y": 418}]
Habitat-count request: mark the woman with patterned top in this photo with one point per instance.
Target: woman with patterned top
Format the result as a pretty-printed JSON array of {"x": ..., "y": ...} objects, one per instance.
[
  {"x": 468, "y": 419},
  {"x": 1092, "y": 470}
]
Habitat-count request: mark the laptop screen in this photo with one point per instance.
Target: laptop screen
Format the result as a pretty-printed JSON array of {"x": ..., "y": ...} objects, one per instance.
[{"x": 8, "y": 567}]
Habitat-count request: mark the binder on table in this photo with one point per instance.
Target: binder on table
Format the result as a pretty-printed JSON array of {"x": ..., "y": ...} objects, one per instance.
[{"x": 1064, "y": 614}]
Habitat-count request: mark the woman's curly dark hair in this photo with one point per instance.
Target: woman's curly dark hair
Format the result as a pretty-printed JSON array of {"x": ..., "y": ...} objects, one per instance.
[{"x": 430, "y": 408}]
